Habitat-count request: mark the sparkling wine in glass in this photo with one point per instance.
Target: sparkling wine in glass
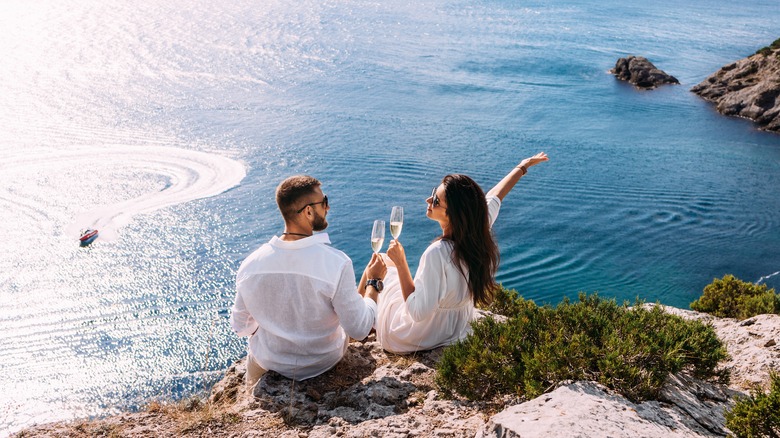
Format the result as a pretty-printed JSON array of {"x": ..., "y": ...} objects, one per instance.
[
  {"x": 378, "y": 235},
  {"x": 396, "y": 221}
]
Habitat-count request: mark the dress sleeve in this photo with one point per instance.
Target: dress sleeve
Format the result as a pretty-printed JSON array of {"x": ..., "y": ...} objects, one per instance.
[
  {"x": 430, "y": 285},
  {"x": 240, "y": 319},
  {"x": 493, "y": 205},
  {"x": 357, "y": 314}
]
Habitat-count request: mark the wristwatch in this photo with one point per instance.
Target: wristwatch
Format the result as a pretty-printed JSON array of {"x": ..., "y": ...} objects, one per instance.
[{"x": 376, "y": 282}]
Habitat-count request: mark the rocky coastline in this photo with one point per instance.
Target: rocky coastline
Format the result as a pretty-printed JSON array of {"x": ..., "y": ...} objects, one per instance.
[
  {"x": 375, "y": 393},
  {"x": 748, "y": 88}
]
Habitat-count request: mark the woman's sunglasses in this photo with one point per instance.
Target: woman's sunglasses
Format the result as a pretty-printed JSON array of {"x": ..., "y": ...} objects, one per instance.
[{"x": 435, "y": 198}]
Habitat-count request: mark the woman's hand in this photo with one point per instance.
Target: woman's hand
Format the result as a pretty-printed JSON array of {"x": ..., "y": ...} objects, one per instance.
[
  {"x": 396, "y": 253},
  {"x": 533, "y": 161},
  {"x": 508, "y": 182}
]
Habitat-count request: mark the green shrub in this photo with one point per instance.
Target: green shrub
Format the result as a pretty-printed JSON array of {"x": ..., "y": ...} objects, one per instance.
[
  {"x": 508, "y": 302},
  {"x": 730, "y": 297},
  {"x": 766, "y": 51},
  {"x": 757, "y": 415},
  {"x": 631, "y": 350}
]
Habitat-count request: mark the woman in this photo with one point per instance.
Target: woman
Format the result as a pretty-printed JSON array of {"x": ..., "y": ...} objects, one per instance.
[{"x": 455, "y": 272}]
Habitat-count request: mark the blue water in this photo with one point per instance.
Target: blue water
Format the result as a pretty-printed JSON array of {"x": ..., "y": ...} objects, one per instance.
[{"x": 648, "y": 194}]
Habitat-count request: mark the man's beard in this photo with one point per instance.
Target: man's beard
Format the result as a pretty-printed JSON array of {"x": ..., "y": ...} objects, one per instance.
[{"x": 320, "y": 223}]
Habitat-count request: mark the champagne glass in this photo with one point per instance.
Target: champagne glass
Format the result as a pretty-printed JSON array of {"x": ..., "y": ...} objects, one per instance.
[
  {"x": 377, "y": 235},
  {"x": 396, "y": 221}
]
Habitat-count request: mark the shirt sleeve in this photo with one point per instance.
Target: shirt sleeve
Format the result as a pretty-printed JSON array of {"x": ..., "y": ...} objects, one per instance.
[
  {"x": 357, "y": 314},
  {"x": 493, "y": 205},
  {"x": 429, "y": 285},
  {"x": 240, "y": 319}
]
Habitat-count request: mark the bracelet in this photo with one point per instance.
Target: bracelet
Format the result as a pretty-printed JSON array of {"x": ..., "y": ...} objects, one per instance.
[{"x": 523, "y": 169}]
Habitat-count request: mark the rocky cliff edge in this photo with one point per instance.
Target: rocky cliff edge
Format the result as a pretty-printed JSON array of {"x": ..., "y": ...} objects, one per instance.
[{"x": 374, "y": 393}]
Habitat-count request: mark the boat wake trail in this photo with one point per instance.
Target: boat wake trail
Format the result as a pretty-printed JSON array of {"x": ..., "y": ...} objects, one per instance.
[
  {"x": 191, "y": 175},
  {"x": 186, "y": 175}
]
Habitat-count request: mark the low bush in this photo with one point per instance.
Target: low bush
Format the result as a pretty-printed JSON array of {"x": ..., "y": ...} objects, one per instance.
[
  {"x": 766, "y": 51},
  {"x": 731, "y": 297},
  {"x": 508, "y": 302},
  {"x": 631, "y": 350},
  {"x": 757, "y": 415}
]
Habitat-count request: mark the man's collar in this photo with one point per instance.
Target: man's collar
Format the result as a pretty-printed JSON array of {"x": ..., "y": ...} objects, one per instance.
[{"x": 301, "y": 243}]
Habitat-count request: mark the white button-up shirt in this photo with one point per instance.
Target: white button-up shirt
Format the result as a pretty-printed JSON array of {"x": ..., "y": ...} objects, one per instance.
[{"x": 299, "y": 303}]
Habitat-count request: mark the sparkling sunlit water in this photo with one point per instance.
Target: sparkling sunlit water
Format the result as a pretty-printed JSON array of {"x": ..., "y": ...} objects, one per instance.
[{"x": 142, "y": 118}]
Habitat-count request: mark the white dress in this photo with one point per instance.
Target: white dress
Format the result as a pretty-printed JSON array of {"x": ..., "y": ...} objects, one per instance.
[{"x": 440, "y": 309}]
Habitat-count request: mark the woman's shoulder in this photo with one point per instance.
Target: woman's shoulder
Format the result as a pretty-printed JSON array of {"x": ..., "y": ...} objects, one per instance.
[{"x": 439, "y": 248}]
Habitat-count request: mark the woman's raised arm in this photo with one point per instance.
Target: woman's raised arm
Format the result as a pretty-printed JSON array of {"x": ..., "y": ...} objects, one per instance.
[{"x": 508, "y": 182}]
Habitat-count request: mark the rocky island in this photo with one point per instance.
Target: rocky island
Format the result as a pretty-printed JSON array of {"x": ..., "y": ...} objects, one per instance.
[
  {"x": 642, "y": 73},
  {"x": 374, "y": 393},
  {"x": 748, "y": 88}
]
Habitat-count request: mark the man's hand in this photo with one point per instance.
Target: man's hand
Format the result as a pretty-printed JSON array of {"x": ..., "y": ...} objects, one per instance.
[{"x": 376, "y": 267}]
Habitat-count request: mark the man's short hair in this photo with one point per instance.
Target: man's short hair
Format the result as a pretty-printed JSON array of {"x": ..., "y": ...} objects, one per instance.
[{"x": 291, "y": 191}]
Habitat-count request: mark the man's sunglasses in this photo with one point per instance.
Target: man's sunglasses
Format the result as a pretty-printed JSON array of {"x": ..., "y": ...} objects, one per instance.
[
  {"x": 324, "y": 203},
  {"x": 435, "y": 200}
]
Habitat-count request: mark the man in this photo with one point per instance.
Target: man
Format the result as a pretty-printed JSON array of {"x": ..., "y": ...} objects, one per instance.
[{"x": 296, "y": 296}]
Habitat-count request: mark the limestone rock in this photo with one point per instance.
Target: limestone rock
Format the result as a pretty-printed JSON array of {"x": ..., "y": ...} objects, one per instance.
[
  {"x": 586, "y": 409},
  {"x": 641, "y": 72},
  {"x": 747, "y": 88},
  {"x": 368, "y": 393}
]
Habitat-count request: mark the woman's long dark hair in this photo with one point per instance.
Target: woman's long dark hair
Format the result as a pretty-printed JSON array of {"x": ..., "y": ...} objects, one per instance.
[{"x": 475, "y": 253}]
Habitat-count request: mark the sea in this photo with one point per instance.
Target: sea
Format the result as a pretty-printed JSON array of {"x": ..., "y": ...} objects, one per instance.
[{"x": 168, "y": 125}]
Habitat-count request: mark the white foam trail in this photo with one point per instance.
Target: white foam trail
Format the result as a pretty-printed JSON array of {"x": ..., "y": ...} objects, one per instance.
[
  {"x": 767, "y": 277},
  {"x": 191, "y": 175}
]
